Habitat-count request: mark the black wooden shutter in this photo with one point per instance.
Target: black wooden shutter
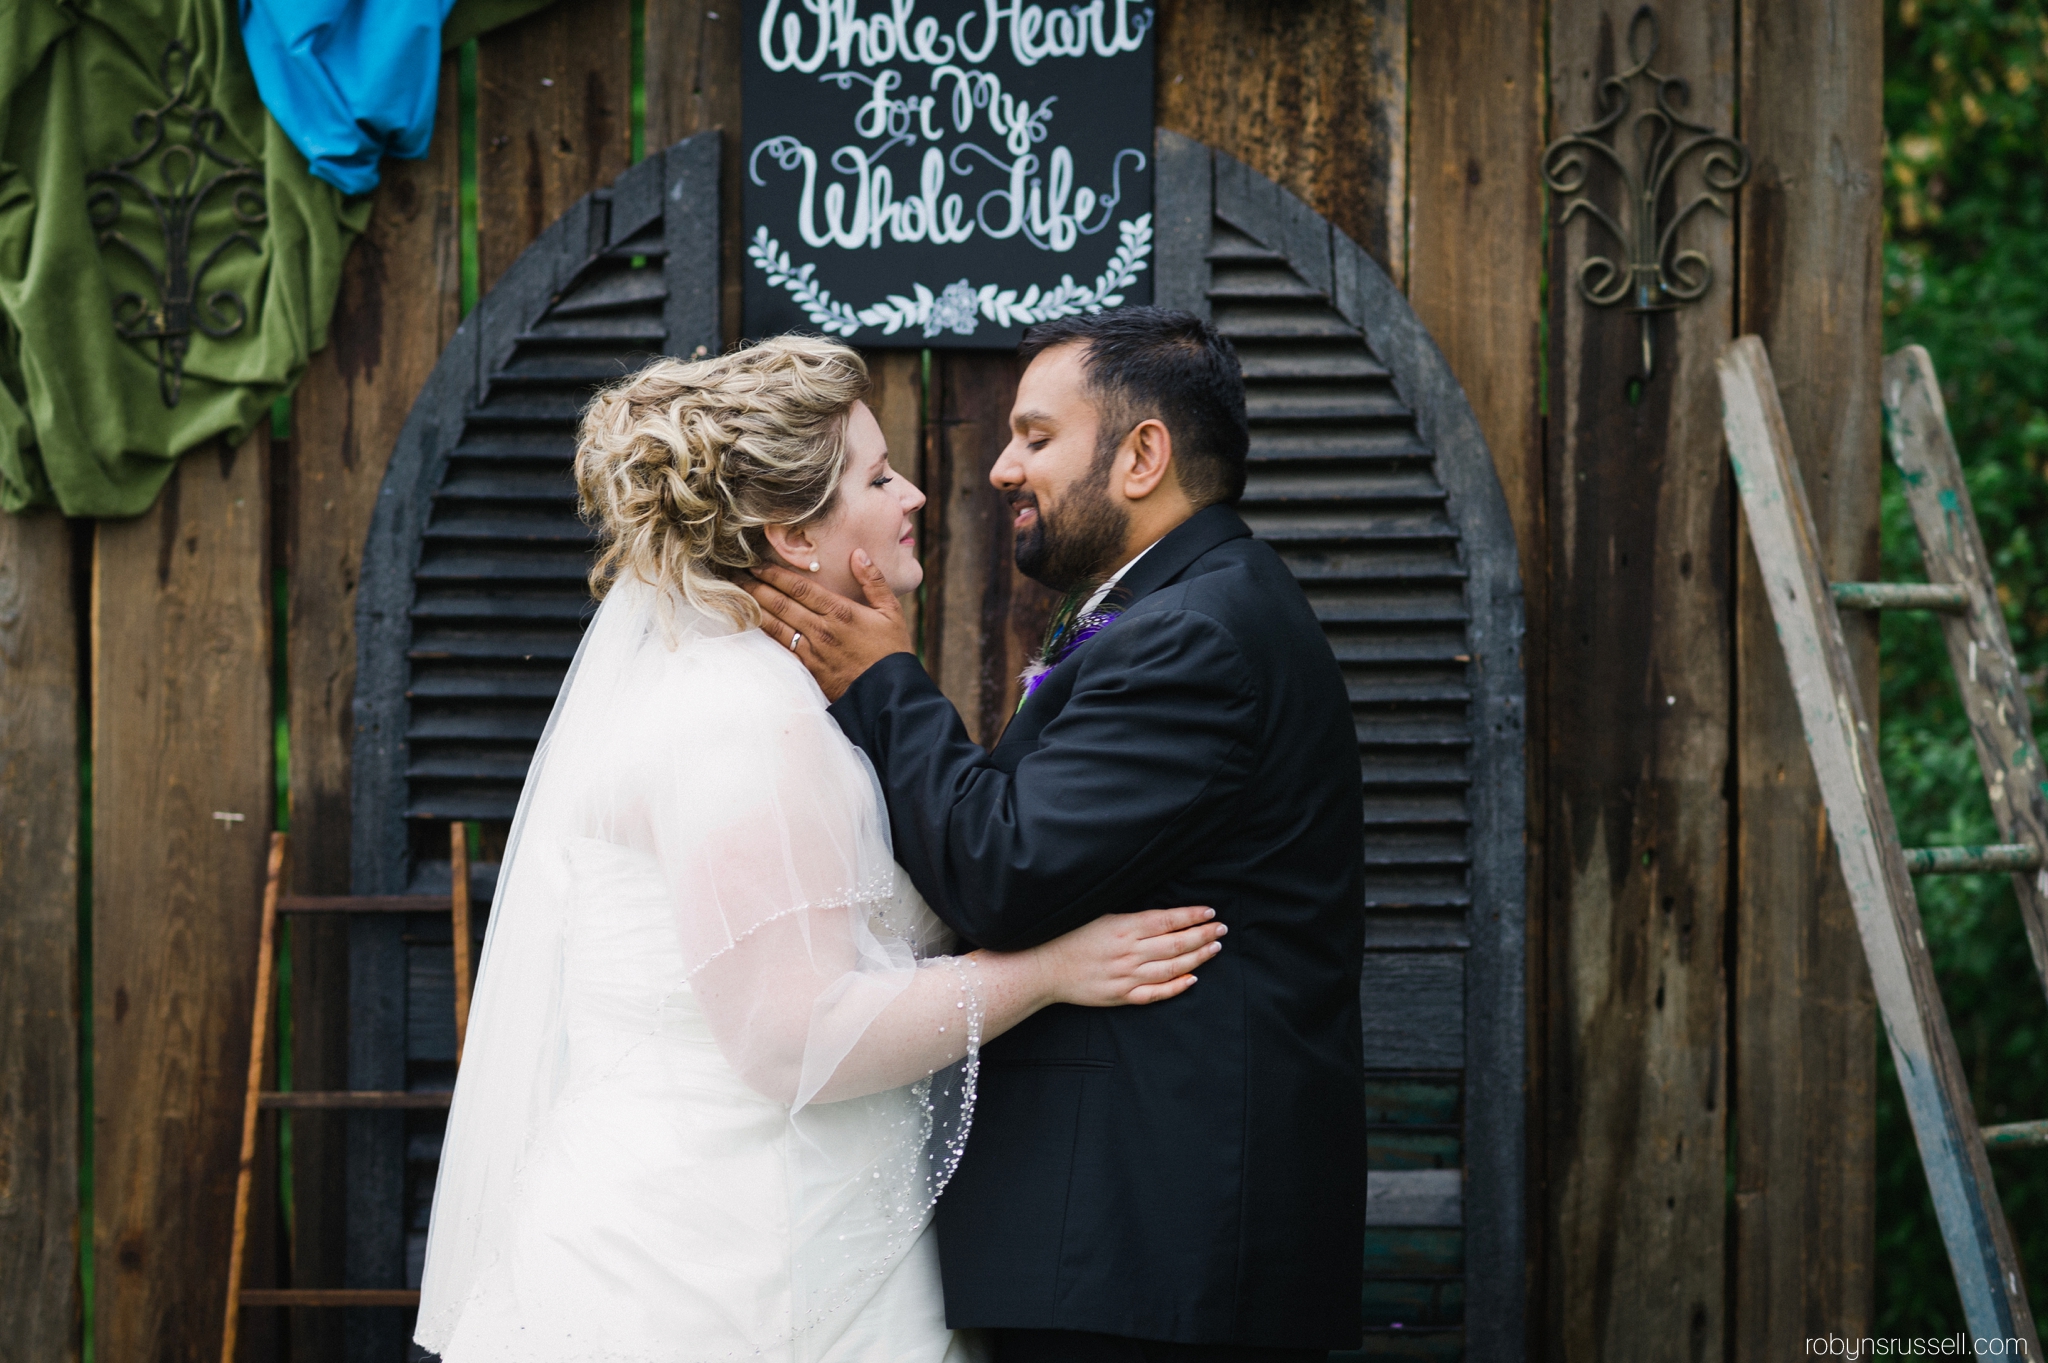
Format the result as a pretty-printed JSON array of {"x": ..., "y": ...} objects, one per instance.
[{"x": 1369, "y": 474}]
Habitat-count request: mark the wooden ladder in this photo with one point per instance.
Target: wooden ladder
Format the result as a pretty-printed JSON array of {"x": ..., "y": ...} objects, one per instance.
[
  {"x": 275, "y": 903},
  {"x": 1843, "y": 744}
]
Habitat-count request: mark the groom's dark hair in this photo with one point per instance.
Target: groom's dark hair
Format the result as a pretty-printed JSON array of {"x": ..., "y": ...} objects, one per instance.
[{"x": 1143, "y": 363}]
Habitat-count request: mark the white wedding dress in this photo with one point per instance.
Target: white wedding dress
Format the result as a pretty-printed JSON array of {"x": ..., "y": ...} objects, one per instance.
[{"x": 697, "y": 1116}]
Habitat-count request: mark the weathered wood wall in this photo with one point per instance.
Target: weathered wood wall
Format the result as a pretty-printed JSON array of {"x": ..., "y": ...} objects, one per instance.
[{"x": 1694, "y": 976}]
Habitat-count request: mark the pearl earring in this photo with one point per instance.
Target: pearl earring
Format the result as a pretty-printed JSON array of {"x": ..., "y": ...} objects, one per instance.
[{"x": 814, "y": 565}]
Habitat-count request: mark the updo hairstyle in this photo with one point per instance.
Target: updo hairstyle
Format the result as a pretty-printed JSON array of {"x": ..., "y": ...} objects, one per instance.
[{"x": 681, "y": 465}]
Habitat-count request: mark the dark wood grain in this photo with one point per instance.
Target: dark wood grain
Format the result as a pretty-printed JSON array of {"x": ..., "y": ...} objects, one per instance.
[
  {"x": 181, "y": 732},
  {"x": 983, "y": 619},
  {"x": 38, "y": 940},
  {"x": 553, "y": 121},
  {"x": 1637, "y": 732},
  {"x": 693, "y": 85},
  {"x": 1310, "y": 94},
  {"x": 400, "y": 301},
  {"x": 1803, "y": 1023},
  {"x": 1475, "y": 268},
  {"x": 897, "y": 399}
]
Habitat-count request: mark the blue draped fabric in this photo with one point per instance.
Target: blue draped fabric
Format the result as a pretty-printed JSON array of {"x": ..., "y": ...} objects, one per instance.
[{"x": 349, "y": 81}]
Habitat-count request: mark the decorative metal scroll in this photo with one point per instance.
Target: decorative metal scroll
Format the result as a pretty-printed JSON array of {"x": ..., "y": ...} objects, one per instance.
[
  {"x": 1657, "y": 277},
  {"x": 179, "y": 307}
]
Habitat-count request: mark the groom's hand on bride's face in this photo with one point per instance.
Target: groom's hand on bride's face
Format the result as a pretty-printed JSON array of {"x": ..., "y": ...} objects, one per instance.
[{"x": 835, "y": 638}]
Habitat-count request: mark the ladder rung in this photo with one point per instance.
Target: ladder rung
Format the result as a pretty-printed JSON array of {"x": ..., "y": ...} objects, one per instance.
[
  {"x": 364, "y": 903},
  {"x": 2014, "y": 1134},
  {"x": 1900, "y": 596},
  {"x": 361, "y": 1098},
  {"x": 328, "y": 1296},
  {"x": 1962, "y": 861}
]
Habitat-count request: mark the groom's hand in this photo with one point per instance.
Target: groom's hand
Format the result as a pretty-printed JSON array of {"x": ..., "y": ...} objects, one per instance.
[{"x": 835, "y": 638}]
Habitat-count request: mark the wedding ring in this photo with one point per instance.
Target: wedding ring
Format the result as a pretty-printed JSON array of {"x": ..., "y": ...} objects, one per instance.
[{"x": 794, "y": 640}]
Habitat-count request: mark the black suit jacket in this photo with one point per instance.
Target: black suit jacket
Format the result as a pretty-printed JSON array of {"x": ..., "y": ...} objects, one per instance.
[{"x": 1194, "y": 1170}]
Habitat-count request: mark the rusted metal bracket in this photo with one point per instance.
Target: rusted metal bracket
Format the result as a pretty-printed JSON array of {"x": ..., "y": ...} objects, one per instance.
[{"x": 1654, "y": 275}]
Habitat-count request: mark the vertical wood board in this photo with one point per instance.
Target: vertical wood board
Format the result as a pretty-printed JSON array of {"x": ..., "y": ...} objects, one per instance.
[
  {"x": 181, "y": 732},
  {"x": 554, "y": 121},
  {"x": 693, "y": 86},
  {"x": 1312, "y": 95},
  {"x": 1473, "y": 128},
  {"x": 982, "y": 618},
  {"x": 897, "y": 399},
  {"x": 38, "y": 940},
  {"x": 1638, "y": 705},
  {"x": 1803, "y": 1029}
]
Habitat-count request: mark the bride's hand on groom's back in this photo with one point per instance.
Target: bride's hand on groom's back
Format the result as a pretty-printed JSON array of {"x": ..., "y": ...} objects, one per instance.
[{"x": 1125, "y": 958}]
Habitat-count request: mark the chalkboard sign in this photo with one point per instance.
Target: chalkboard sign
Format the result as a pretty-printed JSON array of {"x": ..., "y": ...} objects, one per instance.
[{"x": 944, "y": 172}]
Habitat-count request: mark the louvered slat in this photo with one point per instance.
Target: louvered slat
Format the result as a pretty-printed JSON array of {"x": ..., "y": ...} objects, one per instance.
[{"x": 487, "y": 660}]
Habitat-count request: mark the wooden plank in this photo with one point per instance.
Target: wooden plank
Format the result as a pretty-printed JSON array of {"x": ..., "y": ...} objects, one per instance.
[
  {"x": 365, "y": 1099},
  {"x": 1979, "y": 646},
  {"x": 982, "y": 618},
  {"x": 1804, "y": 1047},
  {"x": 1415, "y": 1197},
  {"x": 1313, "y": 96},
  {"x": 552, "y": 111},
  {"x": 1636, "y": 730},
  {"x": 181, "y": 734},
  {"x": 691, "y": 311},
  {"x": 1184, "y": 206},
  {"x": 897, "y": 400},
  {"x": 1414, "y": 1009},
  {"x": 38, "y": 939},
  {"x": 1474, "y": 124},
  {"x": 693, "y": 85},
  {"x": 1842, "y": 747},
  {"x": 359, "y": 1296},
  {"x": 365, "y": 903},
  {"x": 400, "y": 302}
]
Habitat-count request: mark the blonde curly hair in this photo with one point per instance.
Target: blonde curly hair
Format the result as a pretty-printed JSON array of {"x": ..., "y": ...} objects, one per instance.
[{"x": 681, "y": 465}]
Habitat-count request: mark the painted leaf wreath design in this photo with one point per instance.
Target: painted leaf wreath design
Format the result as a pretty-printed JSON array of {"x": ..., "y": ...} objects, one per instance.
[{"x": 958, "y": 307}]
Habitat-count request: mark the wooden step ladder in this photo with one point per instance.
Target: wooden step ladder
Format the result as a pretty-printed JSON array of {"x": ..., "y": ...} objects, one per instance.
[
  {"x": 1843, "y": 744},
  {"x": 260, "y": 1099}
]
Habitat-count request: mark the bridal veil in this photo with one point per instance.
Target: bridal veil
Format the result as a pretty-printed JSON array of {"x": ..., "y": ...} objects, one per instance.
[{"x": 709, "y": 750}]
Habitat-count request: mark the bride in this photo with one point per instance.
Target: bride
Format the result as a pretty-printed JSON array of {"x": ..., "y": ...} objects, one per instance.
[{"x": 720, "y": 1063}]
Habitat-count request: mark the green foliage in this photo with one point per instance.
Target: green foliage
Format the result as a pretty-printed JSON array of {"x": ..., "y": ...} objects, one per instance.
[{"x": 1966, "y": 275}]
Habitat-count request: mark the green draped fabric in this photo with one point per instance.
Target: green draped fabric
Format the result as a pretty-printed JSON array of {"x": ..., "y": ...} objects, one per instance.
[{"x": 83, "y": 426}]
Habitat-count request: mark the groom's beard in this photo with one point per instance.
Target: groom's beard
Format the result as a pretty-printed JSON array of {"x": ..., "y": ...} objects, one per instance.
[{"x": 1077, "y": 544}]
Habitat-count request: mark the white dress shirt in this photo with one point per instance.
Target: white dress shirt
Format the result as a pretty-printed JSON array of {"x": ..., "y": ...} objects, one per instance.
[{"x": 1096, "y": 600}]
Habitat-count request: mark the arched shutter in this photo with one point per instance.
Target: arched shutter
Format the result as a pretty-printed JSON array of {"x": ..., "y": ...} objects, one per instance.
[{"x": 1369, "y": 475}]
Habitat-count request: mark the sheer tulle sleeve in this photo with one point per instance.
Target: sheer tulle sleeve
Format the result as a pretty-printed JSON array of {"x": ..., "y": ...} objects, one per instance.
[{"x": 819, "y": 971}]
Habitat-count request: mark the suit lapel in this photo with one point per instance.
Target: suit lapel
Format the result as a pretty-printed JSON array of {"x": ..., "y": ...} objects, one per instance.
[{"x": 1176, "y": 551}]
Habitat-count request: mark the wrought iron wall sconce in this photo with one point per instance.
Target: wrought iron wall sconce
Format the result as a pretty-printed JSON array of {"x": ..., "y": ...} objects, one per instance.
[
  {"x": 179, "y": 307},
  {"x": 1656, "y": 276}
]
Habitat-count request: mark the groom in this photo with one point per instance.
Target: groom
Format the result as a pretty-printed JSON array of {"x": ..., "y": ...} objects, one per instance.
[{"x": 1185, "y": 1181}]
